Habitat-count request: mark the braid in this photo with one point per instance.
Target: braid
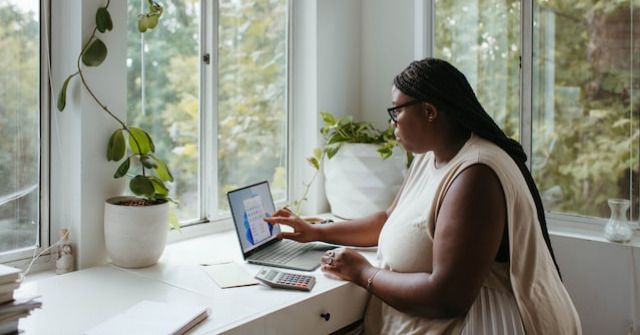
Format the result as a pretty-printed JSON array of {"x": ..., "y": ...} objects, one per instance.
[{"x": 441, "y": 84}]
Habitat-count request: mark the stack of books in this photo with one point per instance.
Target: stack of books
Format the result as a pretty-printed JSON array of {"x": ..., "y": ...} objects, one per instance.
[{"x": 12, "y": 308}]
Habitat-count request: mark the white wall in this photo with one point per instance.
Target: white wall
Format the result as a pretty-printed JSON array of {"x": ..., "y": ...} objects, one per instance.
[
  {"x": 387, "y": 48},
  {"x": 339, "y": 56},
  {"x": 82, "y": 179},
  {"x": 358, "y": 50},
  {"x": 603, "y": 281},
  {"x": 361, "y": 46}
]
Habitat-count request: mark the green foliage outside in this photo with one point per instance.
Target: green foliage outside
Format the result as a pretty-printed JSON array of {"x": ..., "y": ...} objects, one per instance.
[
  {"x": 252, "y": 95},
  {"x": 19, "y": 128},
  {"x": 595, "y": 154},
  {"x": 170, "y": 90},
  {"x": 585, "y": 115},
  {"x": 251, "y": 72}
]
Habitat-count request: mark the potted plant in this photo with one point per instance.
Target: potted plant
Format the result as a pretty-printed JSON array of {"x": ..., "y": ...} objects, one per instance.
[
  {"x": 136, "y": 226},
  {"x": 364, "y": 167}
]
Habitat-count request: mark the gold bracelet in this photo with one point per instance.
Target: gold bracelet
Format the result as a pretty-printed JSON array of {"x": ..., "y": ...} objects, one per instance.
[{"x": 370, "y": 280}]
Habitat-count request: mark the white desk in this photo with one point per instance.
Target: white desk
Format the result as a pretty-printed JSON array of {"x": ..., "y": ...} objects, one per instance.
[{"x": 75, "y": 302}]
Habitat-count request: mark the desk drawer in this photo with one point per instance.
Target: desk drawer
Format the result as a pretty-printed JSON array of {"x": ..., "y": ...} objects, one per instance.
[{"x": 322, "y": 314}]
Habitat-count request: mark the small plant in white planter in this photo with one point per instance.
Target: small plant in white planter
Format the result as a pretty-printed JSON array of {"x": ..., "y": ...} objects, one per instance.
[
  {"x": 364, "y": 166},
  {"x": 138, "y": 235}
]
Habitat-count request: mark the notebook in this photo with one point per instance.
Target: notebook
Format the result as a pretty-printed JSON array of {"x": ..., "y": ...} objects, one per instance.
[
  {"x": 153, "y": 318},
  {"x": 258, "y": 239}
]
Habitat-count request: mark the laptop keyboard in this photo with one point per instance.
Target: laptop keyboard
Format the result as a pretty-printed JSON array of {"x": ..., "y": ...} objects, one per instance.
[{"x": 282, "y": 252}]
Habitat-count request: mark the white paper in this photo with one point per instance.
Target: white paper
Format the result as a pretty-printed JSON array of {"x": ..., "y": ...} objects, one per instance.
[{"x": 229, "y": 274}]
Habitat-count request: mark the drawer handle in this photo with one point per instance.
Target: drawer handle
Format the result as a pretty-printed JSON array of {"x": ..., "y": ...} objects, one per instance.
[{"x": 326, "y": 316}]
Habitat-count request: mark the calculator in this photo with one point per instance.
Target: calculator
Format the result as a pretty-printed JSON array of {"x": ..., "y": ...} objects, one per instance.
[{"x": 287, "y": 280}]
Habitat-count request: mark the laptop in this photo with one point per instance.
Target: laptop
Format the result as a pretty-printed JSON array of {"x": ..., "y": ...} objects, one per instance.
[{"x": 258, "y": 239}]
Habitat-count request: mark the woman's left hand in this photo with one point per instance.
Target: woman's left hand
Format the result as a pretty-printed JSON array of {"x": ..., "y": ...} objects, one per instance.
[{"x": 344, "y": 263}]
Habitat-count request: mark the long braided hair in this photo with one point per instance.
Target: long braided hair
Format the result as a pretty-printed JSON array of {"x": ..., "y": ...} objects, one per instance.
[{"x": 441, "y": 84}]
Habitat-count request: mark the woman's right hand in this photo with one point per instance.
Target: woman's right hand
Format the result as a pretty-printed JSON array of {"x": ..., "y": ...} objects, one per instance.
[{"x": 303, "y": 231}]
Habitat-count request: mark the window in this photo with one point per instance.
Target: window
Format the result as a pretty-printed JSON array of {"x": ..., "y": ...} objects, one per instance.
[
  {"x": 211, "y": 85},
  {"x": 583, "y": 113},
  {"x": 19, "y": 125},
  {"x": 585, "y": 108},
  {"x": 482, "y": 39}
]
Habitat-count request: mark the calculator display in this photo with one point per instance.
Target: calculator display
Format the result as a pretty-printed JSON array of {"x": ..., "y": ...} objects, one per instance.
[{"x": 271, "y": 275}]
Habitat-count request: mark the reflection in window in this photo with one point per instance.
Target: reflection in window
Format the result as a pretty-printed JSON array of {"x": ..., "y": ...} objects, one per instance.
[{"x": 19, "y": 124}]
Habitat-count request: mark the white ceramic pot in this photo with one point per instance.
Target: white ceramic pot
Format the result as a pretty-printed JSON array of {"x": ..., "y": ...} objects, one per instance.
[
  {"x": 135, "y": 237},
  {"x": 358, "y": 182}
]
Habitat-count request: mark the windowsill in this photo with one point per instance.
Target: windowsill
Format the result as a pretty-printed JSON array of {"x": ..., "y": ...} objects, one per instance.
[
  {"x": 559, "y": 226},
  {"x": 586, "y": 229}
]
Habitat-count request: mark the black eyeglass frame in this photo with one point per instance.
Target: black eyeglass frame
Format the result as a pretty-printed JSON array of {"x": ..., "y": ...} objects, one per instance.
[{"x": 394, "y": 111}]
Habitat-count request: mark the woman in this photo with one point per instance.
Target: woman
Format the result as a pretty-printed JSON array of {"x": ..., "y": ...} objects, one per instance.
[{"x": 464, "y": 247}]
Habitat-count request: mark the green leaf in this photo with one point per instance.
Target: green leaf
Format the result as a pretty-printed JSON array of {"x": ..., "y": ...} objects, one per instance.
[
  {"x": 148, "y": 162},
  {"x": 139, "y": 137},
  {"x": 162, "y": 170},
  {"x": 95, "y": 53},
  {"x": 317, "y": 153},
  {"x": 159, "y": 187},
  {"x": 153, "y": 20},
  {"x": 141, "y": 185},
  {"x": 173, "y": 220},
  {"x": 386, "y": 150},
  {"x": 103, "y": 20},
  {"x": 328, "y": 118},
  {"x": 123, "y": 169},
  {"x": 156, "y": 8},
  {"x": 62, "y": 95},
  {"x": 143, "y": 23},
  {"x": 116, "y": 147},
  {"x": 313, "y": 162},
  {"x": 332, "y": 149}
]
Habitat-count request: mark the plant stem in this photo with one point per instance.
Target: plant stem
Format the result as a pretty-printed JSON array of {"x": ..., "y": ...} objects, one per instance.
[
  {"x": 298, "y": 202},
  {"x": 95, "y": 98}
]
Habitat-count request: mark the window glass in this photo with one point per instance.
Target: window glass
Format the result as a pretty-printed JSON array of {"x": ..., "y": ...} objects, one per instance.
[
  {"x": 249, "y": 98},
  {"x": 252, "y": 95},
  {"x": 163, "y": 94},
  {"x": 585, "y": 104},
  {"x": 19, "y": 124},
  {"x": 482, "y": 39},
  {"x": 584, "y": 117}
]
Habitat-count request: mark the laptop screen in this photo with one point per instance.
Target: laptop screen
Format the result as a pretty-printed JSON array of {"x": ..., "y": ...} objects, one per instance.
[{"x": 249, "y": 205}]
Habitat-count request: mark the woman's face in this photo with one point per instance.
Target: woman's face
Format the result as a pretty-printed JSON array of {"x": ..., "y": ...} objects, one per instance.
[{"x": 412, "y": 127}]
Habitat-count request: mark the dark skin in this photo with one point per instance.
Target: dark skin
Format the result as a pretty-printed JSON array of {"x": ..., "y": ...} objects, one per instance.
[{"x": 470, "y": 227}]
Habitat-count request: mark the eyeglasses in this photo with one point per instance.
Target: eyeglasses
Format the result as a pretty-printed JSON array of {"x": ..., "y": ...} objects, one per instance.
[{"x": 394, "y": 111}]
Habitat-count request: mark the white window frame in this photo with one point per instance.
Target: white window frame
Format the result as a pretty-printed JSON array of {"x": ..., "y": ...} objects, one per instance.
[
  {"x": 213, "y": 222},
  {"x": 23, "y": 257}
]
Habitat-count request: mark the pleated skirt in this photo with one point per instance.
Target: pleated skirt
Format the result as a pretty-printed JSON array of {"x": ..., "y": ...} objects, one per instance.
[{"x": 494, "y": 312}]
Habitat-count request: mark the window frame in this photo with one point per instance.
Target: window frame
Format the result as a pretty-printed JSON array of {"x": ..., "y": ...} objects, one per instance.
[
  {"x": 213, "y": 222},
  {"x": 23, "y": 257}
]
